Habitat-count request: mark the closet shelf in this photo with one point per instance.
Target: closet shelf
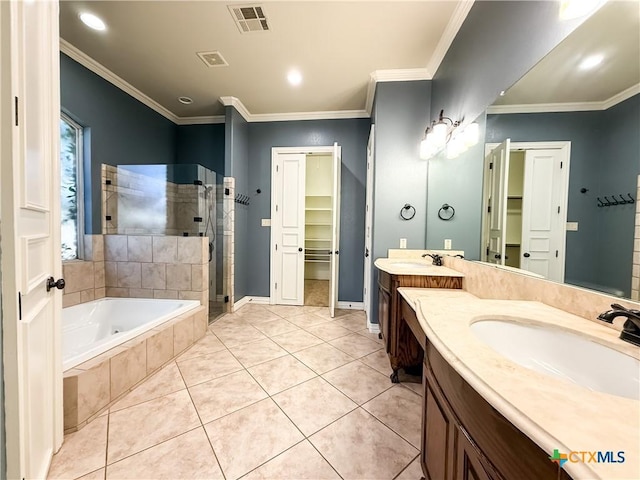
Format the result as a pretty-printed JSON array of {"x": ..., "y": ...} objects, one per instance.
[
  {"x": 325, "y": 196},
  {"x": 313, "y": 209},
  {"x": 318, "y": 261},
  {"x": 318, "y": 223},
  {"x": 317, "y": 239}
]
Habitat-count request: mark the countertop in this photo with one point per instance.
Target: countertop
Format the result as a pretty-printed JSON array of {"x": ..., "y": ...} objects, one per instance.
[
  {"x": 394, "y": 266},
  {"x": 555, "y": 414}
]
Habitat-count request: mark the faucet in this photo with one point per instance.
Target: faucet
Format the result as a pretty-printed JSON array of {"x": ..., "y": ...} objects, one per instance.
[
  {"x": 631, "y": 328},
  {"x": 437, "y": 259}
]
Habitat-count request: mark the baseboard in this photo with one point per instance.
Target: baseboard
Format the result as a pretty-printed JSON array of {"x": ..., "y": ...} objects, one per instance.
[
  {"x": 351, "y": 305},
  {"x": 248, "y": 299},
  {"x": 373, "y": 327}
]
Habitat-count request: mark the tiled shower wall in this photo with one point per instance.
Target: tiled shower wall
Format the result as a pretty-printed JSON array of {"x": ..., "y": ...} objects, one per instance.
[
  {"x": 146, "y": 266},
  {"x": 635, "y": 276},
  {"x": 85, "y": 279},
  {"x": 228, "y": 207}
]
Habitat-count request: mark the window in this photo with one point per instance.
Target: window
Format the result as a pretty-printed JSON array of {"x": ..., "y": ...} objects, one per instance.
[{"x": 71, "y": 218}]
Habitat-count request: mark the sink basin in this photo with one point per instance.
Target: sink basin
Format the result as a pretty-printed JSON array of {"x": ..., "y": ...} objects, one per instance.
[
  {"x": 409, "y": 264},
  {"x": 562, "y": 354}
]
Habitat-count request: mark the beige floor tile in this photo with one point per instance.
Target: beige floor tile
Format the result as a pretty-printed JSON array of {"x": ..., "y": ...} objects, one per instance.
[
  {"x": 300, "y": 462},
  {"x": 259, "y": 316},
  {"x": 207, "y": 344},
  {"x": 371, "y": 336},
  {"x": 412, "y": 472},
  {"x": 360, "y": 447},
  {"x": 400, "y": 410},
  {"x": 297, "y": 340},
  {"x": 415, "y": 387},
  {"x": 306, "y": 320},
  {"x": 351, "y": 322},
  {"x": 187, "y": 456},
  {"x": 165, "y": 381},
  {"x": 281, "y": 373},
  {"x": 339, "y": 313},
  {"x": 229, "y": 320},
  {"x": 276, "y": 327},
  {"x": 216, "y": 398},
  {"x": 285, "y": 311},
  {"x": 82, "y": 452},
  {"x": 136, "y": 428},
  {"x": 355, "y": 345},
  {"x": 322, "y": 358},
  {"x": 313, "y": 405},
  {"x": 207, "y": 367},
  {"x": 358, "y": 381},
  {"x": 250, "y": 354},
  {"x": 237, "y": 335},
  {"x": 251, "y": 436},
  {"x": 378, "y": 360},
  {"x": 251, "y": 308},
  {"x": 328, "y": 331},
  {"x": 95, "y": 475}
]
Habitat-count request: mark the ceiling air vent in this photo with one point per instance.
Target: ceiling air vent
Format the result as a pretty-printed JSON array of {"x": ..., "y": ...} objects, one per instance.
[
  {"x": 212, "y": 59},
  {"x": 249, "y": 18}
]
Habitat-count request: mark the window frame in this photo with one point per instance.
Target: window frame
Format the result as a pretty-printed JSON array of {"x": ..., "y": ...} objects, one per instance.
[{"x": 79, "y": 185}]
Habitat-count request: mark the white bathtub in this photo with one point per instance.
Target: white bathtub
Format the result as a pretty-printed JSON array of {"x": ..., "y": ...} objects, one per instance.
[{"x": 92, "y": 328}]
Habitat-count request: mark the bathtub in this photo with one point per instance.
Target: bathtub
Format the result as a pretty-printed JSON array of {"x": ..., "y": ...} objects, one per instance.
[{"x": 92, "y": 328}]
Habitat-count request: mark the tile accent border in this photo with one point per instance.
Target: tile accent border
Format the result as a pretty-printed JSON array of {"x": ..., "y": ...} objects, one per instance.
[{"x": 93, "y": 386}]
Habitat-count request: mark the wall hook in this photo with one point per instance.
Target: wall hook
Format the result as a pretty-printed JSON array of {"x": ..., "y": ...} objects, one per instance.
[
  {"x": 600, "y": 203},
  {"x": 631, "y": 200}
]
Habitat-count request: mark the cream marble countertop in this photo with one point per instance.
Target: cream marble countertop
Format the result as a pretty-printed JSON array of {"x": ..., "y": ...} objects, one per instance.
[
  {"x": 394, "y": 267},
  {"x": 555, "y": 414}
]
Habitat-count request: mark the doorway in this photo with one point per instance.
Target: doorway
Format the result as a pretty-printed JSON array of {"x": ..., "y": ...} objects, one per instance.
[{"x": 305, "y": 226}]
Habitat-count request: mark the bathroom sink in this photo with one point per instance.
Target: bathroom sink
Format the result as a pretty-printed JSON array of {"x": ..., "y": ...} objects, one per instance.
[
  {"x": 410, "y": 264},
  {"x": 562, "y": 354}
]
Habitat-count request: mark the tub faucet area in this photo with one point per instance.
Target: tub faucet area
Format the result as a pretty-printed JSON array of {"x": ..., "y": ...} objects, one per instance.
[{"x": 631, "y": 328}]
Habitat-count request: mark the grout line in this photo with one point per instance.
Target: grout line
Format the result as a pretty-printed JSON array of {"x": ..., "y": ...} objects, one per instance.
[{"x": 408, "y": 465}]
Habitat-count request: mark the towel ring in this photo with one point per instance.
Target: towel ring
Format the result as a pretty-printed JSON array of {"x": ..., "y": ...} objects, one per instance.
[
  {"x": 408, "y": 208},
  {"x": 443, "y": 212}
]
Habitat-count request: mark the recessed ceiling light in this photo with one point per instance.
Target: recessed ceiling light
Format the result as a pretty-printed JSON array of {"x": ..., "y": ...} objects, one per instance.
[
  {"x": 591, "y": 62},
  {"x": 577, "y": 8},
  {"x": 502, "y": 93},
  {"x": 294, "y": 77},
  {"x": 91, "y": 21},
  {"x": 185, "y": 100}
]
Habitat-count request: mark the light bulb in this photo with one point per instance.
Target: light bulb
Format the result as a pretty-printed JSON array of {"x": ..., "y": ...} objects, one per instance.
[
  {"x": 471, "y": 134},
  {"x": 92, "y": 21},
  {"x": 439, "y": 134}
]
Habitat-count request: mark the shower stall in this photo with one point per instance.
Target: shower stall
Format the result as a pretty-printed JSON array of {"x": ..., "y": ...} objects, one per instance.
[{"x": 177, "y": 200}]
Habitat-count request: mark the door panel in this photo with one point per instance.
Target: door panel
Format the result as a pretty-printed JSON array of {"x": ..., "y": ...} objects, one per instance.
[
  {"x": 541, "y": 214},
  {"x": 366, "y": 296},
  {"x": 499, "y": 158},
  {"x": 335, "y": 227}
]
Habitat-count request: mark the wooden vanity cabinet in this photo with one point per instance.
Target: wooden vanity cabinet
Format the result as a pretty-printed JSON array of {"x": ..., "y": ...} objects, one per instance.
[
  {"x": 463, "y": 437},
  {"x": 400, "y": 343}
]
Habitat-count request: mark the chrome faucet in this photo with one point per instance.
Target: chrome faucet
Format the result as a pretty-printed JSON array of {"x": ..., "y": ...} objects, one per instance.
[
  {"x": 437, "y": 259},
  {"x": 631, "y": 328}
]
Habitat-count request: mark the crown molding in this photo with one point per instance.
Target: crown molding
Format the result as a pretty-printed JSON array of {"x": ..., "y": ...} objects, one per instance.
[
  {"x": 102, "y": 71},
  {"x": 451, "y": 30},
  {"x": 395, "y": 75},
  {"x": 292, "y": 116},
  {"x": 200, "y": 120},
  {"x": 565, "y": 107}
]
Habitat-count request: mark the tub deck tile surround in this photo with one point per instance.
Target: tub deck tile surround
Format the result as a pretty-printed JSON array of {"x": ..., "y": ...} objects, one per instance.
[
  {"x": 220, "y": 417},
  {"x": 94, "y": 385}
]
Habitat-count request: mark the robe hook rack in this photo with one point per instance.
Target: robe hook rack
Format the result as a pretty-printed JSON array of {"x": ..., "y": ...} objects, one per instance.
[{"x": 610, "y": 202}]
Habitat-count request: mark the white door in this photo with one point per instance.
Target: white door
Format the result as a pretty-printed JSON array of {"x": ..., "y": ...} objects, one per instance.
[
  {"x": 288, "y": 228},
  {"x": 335, "y": 230},
  {"x": 499, "y": 166},
  {"x": 543, "y": 218},
  {"x": 31, "y": 235},
  {"x": 366, "y": 295}
]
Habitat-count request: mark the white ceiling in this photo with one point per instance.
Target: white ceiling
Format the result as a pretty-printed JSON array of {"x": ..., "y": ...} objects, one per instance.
[
  {"x": 152, "y": 46},
  {"x": 614, "y": 32}
]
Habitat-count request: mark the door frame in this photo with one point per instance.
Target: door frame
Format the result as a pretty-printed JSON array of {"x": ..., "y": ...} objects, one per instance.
[
  {"x": 565, "y": 150},
  {"x": 275, "y": 152},
  {"x": 368, "y": 226}
]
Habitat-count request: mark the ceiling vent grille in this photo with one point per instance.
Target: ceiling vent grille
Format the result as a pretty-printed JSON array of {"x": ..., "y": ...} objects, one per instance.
[
  {"x": 249, "y": 18},
  {"x": 212, "y": 59}
]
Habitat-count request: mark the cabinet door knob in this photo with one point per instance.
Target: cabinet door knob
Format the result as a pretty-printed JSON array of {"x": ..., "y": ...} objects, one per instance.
[
  {"x": 527, "y": 255},
  {"x": 299, "y": 249}
]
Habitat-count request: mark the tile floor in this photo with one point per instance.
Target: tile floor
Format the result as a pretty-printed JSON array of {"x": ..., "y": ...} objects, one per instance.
[{"x": 271, "y": 392}]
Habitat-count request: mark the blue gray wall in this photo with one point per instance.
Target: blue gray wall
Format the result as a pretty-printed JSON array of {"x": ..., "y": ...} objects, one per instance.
[
  {"x": 401, "y": 114},
  {"x": 121, "y": 129},
  {"x": 351, "y": 135},
  {"x": 237, "y": 163},
  {"x": 457, "y": 182},
  {"x": 3, "y": 450},
  {"x": 498, "y": 42},
  {"x": 605, "y": 158},
  {"x": 201, "y": 144}
]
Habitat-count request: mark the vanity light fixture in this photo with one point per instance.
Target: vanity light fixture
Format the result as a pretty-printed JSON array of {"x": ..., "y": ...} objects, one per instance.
[
  {"x": 92, "y": 21},
  {"x": 442, "y": 132}
]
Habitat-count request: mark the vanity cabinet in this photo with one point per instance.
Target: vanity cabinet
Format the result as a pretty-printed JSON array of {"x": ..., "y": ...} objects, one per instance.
[
  {"x": 403, "y": 349},
  {"x": 463, "y": 437}
]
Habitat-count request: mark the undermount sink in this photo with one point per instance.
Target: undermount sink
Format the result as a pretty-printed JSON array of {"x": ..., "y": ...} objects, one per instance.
[
  {"x": 562, "y": 354},
  {"x": 409, "y": 264}
]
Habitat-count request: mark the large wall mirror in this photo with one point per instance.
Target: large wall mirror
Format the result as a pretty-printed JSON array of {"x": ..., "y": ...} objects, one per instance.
[{"x": 571, "y": 130}]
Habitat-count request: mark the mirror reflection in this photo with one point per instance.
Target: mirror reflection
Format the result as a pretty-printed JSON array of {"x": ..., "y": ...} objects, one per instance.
[{"x": 559, "y": 143}]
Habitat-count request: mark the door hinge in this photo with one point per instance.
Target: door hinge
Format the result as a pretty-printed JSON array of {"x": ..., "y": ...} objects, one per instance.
[
  {"x": 276, "y": 208},
  {"x": 226, "y": 299},
  {"x": 487, "y": 251},
  {"x": 226, "y": 191},
  {"x": 19, "y": 306},
  {"x": 277, "y": 168},
  {"x": 558, "y": 208},
  {"x": 489, "y": 209},
  {"x": 16, "y": 108},
  {"x": 491, "y": 166},
  {"x": 276, "y": 247},
  {"x": 561, "y": 163},
  {"x": 276, "y": 285},
  {"x": 556, "y": 253}
]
